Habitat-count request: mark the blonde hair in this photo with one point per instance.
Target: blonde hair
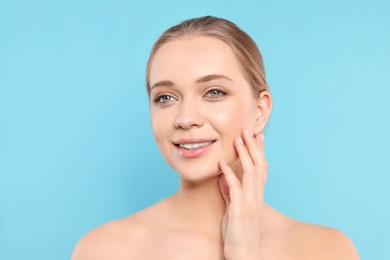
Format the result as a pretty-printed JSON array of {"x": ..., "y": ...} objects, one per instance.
[{"x": 243, "y": 46}]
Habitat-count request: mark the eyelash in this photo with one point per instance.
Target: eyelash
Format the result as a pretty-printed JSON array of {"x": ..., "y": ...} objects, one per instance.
[
  {"x": 220, "y": 93},
  {"x": 159, "y": 98}
]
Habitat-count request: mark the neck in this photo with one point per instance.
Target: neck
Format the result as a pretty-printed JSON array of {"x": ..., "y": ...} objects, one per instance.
[
  {"x": 200, "y": 207},
  {"x": 201, "y": 204}
]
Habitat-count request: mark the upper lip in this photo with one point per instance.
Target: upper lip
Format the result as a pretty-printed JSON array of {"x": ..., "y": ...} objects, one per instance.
[{"x": 192, "y": 141}]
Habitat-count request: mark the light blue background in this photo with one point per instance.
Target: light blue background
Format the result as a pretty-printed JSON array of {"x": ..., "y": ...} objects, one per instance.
[{"x": 76, "y": 149}]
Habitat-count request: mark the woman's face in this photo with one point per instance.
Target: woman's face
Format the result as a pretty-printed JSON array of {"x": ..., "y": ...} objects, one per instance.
[{"x": 200, "y": 101}]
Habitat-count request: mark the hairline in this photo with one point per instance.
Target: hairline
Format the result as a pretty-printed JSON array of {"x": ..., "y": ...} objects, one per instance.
[{"x": 194, "y": 34}]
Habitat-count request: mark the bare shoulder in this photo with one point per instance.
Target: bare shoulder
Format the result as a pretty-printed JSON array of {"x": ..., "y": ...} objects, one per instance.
[
  {"x": 124, "y": 238},
  {"x": 109, "y": 240},
  {"x": 320, "y": 242},
  {"x": 286, "y": 238},
  {"x": 97, "y": 243}
]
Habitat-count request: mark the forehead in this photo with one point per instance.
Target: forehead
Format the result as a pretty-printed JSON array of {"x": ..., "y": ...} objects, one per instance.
[{"x": 194, "y": 56}]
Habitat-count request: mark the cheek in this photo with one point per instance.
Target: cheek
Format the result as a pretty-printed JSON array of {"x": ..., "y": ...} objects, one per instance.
[
  {"x": 159, "y": 126},
  {"x": 232, "y": 118}
]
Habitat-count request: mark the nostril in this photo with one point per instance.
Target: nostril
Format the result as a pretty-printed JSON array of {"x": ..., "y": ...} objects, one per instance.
[
  {"x": 188, "y": 122},
  {"x": 189, "y": 114}
]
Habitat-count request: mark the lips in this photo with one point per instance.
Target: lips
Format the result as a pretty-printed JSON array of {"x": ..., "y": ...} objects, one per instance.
[{"x": 193, "y": 148}]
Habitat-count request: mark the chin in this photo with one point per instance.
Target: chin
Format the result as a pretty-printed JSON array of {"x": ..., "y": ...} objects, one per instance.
[{"x": 198, "y": 174}]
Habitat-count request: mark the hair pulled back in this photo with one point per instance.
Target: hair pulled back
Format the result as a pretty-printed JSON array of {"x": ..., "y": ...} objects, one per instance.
[{"x": 243, "y": 46}]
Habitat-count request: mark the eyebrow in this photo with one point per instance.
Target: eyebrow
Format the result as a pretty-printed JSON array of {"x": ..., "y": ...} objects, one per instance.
[
  {"x": 164, "y": 83},
  {"x": 211, "y": 77},
  {"x": 168, "y": 83}
]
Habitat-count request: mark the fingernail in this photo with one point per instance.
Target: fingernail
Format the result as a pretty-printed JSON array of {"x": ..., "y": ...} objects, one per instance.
[
  {"x": 240, "y": 141},
  {"x": 223, "y": 162},
  {"x": 247, "y": 132},
  {"x": 262, "y": 137}
]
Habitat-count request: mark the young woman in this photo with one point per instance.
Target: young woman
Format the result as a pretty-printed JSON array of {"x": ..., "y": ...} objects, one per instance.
[{"x": 209, "y": 102}]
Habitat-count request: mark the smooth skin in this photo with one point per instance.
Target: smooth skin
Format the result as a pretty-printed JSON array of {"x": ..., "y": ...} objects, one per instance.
[{"x": 200, "y": 93}]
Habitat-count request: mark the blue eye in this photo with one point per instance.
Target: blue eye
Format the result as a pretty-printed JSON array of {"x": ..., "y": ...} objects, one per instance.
[
  {"x": 215, "y": 93},
  {"x": 163, "y": 99}
]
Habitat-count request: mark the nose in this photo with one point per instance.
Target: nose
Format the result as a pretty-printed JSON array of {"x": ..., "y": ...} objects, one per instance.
[{"x": 189, "y": 115}]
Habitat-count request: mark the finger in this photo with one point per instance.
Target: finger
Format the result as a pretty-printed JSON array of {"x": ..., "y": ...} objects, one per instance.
[
  {"x": 256, "y": 152},
  {"x": 255, "y": 148},
  {"x": 235, "y": 190},
  {"x": 249, "y": 179},
  {"x": 223, "y": 185},
  {"x": 263, "y": 166}
]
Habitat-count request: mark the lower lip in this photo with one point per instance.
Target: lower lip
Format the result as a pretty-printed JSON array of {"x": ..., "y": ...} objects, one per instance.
[{"x": 194, "y": 153}]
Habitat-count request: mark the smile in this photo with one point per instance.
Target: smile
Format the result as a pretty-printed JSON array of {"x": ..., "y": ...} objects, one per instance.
[{"x": 193, "y": 146}]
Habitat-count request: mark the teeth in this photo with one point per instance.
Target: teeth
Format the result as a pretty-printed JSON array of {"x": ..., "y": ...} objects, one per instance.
[{"x": 194, "y": 145}]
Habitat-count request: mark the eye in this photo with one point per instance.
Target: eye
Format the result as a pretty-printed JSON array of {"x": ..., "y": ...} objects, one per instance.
[
  {"x": 163, "y": 99},
  {"x": 215, "y": 93}
]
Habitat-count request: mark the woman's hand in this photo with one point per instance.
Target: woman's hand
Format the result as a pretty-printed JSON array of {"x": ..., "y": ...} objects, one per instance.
[{"x": 241, "y": 224}]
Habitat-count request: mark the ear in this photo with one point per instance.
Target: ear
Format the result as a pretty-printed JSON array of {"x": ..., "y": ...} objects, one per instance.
[{"x": 264, "y": 107}]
